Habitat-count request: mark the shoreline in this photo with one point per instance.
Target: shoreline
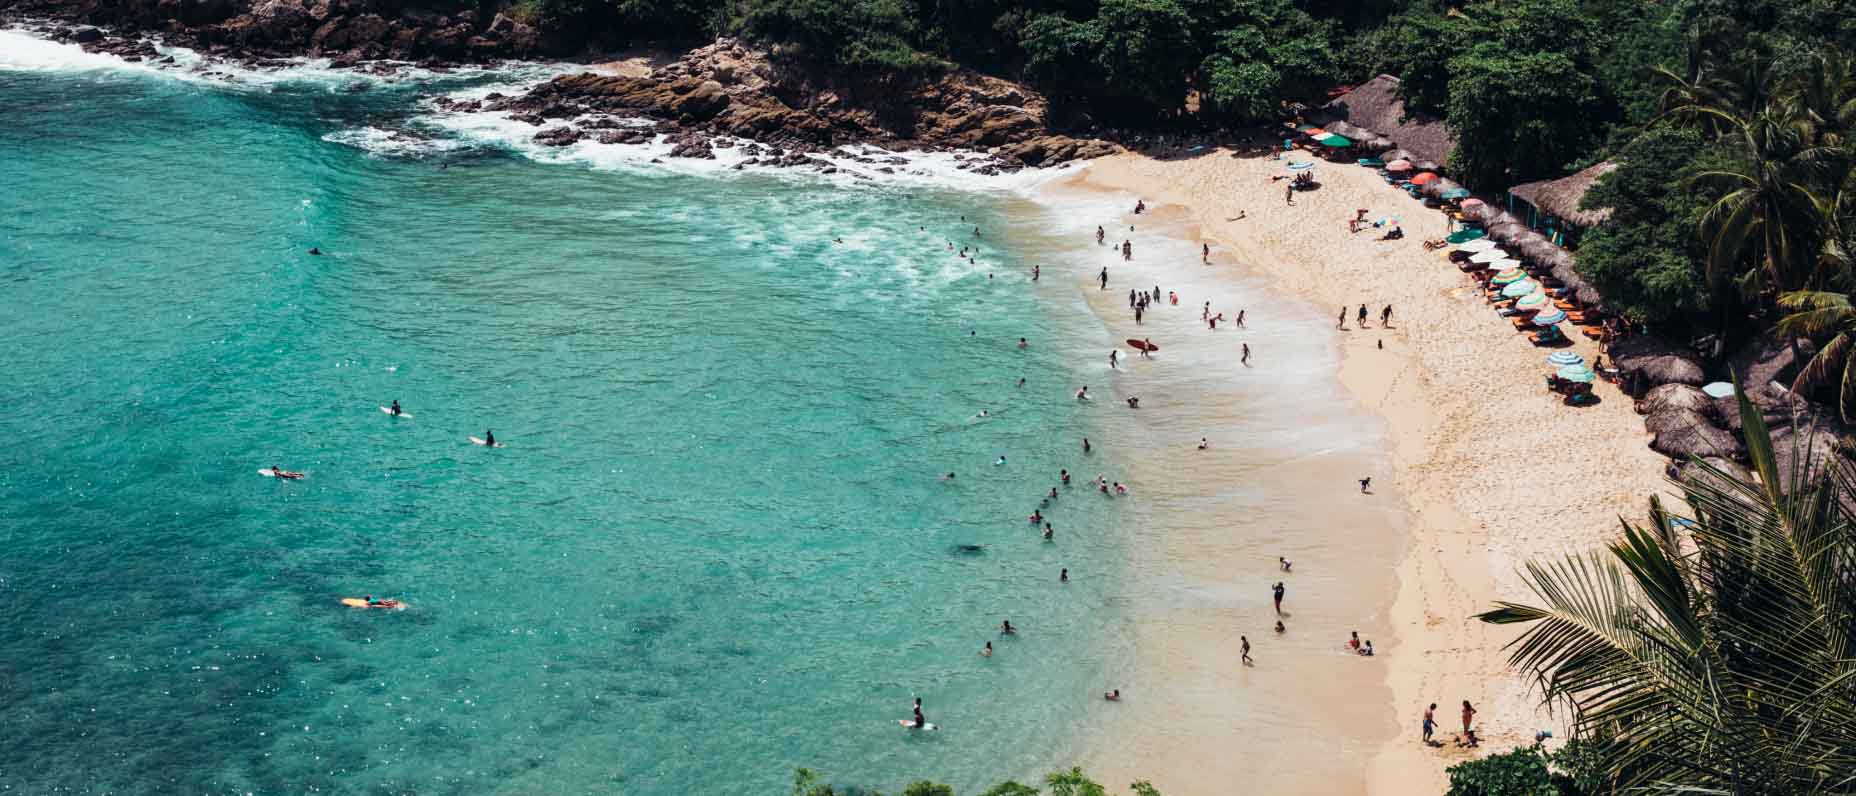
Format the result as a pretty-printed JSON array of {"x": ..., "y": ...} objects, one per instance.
[
  {"x": 1492, "y": 469},
  {"x": 1208, "y": 525}
]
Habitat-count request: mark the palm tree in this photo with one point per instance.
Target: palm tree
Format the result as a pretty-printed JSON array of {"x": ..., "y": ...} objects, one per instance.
[
  {"x": 1714, "y": 654},
  {"x": 1772, "y": 212},
  {"x": 1816, "y": 315}
]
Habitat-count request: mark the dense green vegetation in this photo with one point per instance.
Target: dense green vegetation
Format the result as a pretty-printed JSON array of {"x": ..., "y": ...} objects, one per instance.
[
  {"x": 1716, "y": 655},
  {"x": 1574, "y": 770}
]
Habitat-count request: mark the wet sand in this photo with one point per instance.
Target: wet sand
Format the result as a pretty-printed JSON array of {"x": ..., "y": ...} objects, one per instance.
[{"x": 1483, "y": 469}]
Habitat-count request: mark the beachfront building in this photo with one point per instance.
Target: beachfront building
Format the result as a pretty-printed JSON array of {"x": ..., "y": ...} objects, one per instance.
[{"x": 1554, "y": 207}]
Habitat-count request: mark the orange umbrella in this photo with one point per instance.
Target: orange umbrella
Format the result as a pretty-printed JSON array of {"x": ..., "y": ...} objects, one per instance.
[{"x": 1429, "y": 176}]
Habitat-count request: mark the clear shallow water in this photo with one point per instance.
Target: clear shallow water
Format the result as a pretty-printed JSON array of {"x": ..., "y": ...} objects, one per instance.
[{"x": 715, "y": 547}]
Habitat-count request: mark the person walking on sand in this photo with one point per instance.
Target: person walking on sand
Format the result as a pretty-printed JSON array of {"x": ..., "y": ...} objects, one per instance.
[
  {"x": 1385, "y": 316},
  {"x": 1205, "y": 253},
  {"x": 1469, "y": 715},
  {"x": 1240, "y": 319},
  {"x": 1244, "y": 653},
  {"x": 1362, "y": 316},
  {"x": 1133, "y": 298},
  {"x": 1246, "y": 359},
  {"x": 1430, "y": 722},
  {"x": 1288, "y": 194},
  {"x": 1365, "y": 484},
  {"x": 1343, "y": 319},
  {"x": 1276, "y": 591}
]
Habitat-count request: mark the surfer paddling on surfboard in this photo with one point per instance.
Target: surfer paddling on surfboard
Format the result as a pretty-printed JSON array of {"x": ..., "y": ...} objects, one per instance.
[
  {"x": 278, "y": 472},
  {"x": 372, "y": 602}
]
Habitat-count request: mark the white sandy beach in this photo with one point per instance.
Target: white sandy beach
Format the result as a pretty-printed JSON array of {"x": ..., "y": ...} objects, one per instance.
[{"x": 1492, "y": 469}]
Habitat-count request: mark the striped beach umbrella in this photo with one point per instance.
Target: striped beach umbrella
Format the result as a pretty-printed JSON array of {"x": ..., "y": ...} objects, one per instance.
[
  {"x": 1521, "y": 288},
  {"x": 1509, "y": 276},
  {"x": 1551, "y": 316},
  {"x": 1563, "y": 358},
  {"x": 1577, "y": 373},
  {"x": 1531, "y": 301}
]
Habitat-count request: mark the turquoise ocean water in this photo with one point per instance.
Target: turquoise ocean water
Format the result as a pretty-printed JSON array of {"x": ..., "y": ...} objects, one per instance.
[{"x": 715, "y": 548}]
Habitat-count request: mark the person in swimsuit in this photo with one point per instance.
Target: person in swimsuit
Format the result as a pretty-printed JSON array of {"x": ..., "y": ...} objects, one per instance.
[
  {"x": 1113, "y": 695},
  {"x": 1365, "y": 483},
  {"x": 396, "y": 407},
  {"x": 1244, "y": 651},
  {"x": 1113, "y": 358},
  {"x": 1240, "y": 319},
  {"x": 1001, "y": 461},
  {"x": 1277, "y": 591},
  {"x": 489, "y": 438},
  {"x": 1100, "y": 233},
  {"x": 920, "y": 720},
  {"x": 1430, "y": 722},
  {"x": 1083, "y": 394},
  {"x": 1005, "y": 628},
  {"x": 1367, "y": 651},
  {"x": 1103, "y": 277},
  {"x": 1469, "y": 714},
  {"x": 1245, "y": 359},
  {"x": 1064, "y": 475},
  {"x": 1362, "y": 316},
  {"x": 1285, "y": 563},
  {"x": 1204, "y": 443},
  {"x": 1205, "y": 253},
  {"x": 948, "y": 477},
  {"x": 1048, "y": 532},
  {"x": 1353, "y": 643},
  {"x": 1053, "y": 493},
  {"x": 987, "y": 652},
  {"x": 1064, "y": 576},
  {"x": 1034, "y": 273},
  {"x": 1085, "y": 444},
  {"x": 1022, "y": 343}
]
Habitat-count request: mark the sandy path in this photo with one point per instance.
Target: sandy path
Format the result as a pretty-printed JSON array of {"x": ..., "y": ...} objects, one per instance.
[{"x": 1495, "y": 469}]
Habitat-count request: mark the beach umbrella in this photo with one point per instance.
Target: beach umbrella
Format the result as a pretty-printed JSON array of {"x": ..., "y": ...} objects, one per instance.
[
  {"x": 1509, "y": 277},
  {"x": 1562, "y": 358},
  {"x": 1456, "y": 193},
  {"x": 1477, "y": 245},
  {"x": 1399, "y": 165},
  {"x": 1550, "y": 316},
  {"x": 1577, "y": 373},
  {"x": 1462, "y": 236},
  {"x": 1314, "y": 132},
  {"x": 1421, "y": 179},
  {"x": 1303, "y": 166},
  {"x": 1439, "y": 187},
  {"x": 1521, "y": 288},
  {"x": 1531, "y": 301},
  {"x": 1488, "y": 255},
  {"x": 1719, "y": 389},
  {"x": 1304, "y": 127},
  {"x": 1336, "y": 141},
  {"x": 1504, "y": 264},
  {"x": 1471, "y": 202}
]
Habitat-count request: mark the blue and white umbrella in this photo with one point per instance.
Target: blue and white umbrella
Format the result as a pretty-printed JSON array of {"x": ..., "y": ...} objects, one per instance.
[
  {"x": 1550, "y": 316},
  {"x": 1521, "y": 288},
  {"x": 1564, "y": 358}
]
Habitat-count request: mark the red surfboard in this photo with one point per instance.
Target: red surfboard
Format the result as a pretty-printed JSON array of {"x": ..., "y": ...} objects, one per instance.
[{"x": 1142, "y": 345}]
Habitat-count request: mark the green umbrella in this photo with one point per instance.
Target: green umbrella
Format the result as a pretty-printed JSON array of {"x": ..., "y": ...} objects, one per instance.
[
  {"x": 1336, "y": 141},
  {"x": 1577, "y": 373},
  {"x": 1464, "y": 235}
]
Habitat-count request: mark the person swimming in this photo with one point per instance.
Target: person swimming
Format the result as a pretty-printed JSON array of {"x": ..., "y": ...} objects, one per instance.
[
  {"x": 1053, "y": 493},
  {"x": 395, "y": 409},
  {"x": 1083, "y": 394},
  {"x": 1006, "y": 628},
  {"x": 1085, "y": 444},
  {"x": 1064, "y": 475},
  {"x": 1114, "y": 695},
  {"x": 948, "y": 477},
  {"x": 999, "y": 462},
  {"x": 983, "y": 413},
  {"x": 1036, "y": 517},
  {"x": 1120, "y": 488},
  {"x": 1022, "y": 343},
  {"x": 1048, "y": 533},
  {"x": 987, "y": 652}
]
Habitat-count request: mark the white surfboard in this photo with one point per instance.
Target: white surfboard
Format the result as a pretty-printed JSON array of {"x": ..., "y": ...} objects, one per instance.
[
  {"x": 403, "y": 413},
  {"x": 479, "y": 441},
  {"x": 909, "y": 724}
]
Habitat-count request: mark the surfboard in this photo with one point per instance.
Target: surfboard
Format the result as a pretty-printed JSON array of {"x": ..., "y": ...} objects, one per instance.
[
  {"x": 357, "y": 602},
  {"x": 909, "y": 724},
  {"x": 403, "y": 413},
  {"x": 270, "y": 473},
  {"x": 1142, "y": 345},
  {"x": 479, "y": 441}
]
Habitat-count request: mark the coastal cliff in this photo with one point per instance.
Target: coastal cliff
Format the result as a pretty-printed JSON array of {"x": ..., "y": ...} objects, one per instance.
[{"x": 713, "y": 96}]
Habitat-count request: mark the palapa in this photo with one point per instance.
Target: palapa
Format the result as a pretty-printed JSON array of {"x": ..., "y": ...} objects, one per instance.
[
  {"x": 1536, "y": 247},
  {"x": 1697, "y": 440},
  {"x": 1505, "y": 231},
  {"x": 1376, "y": 106},
  {"x": 1674, "y": 419},
  {"x": 1677, "y": 397},
  {"x": 1436, "y": 188},
  {"x": 1562, "y": 197},
  {"x": 1659, "y": 361},
  {"x": 1722, "y": 473},
  {"x": 1482, "y": 212}
]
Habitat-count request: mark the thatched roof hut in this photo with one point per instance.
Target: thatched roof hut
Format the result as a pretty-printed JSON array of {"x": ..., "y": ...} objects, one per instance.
[
  {"x": 1700, "y": 439},
  {"x": 1395, "y": 154},
  {"x": 1505, "y": 231},
  {"x": 1348, "y": 130},
  {"x": 1768, "y": 359},
  {"x": 1671, "y": 397},
  {"x": 1657, "y": 360},
  {"x": 1375, "y": 105},
  {"x": 1559, "y": 260},
  {"x": 1377, "y": 143},
  {"x": 1561, "y": 197},
  {"x": 1674, "y": 419},
  {"x": 1806, "y": 451},
  {"x": 1535, "y": 246},
  {"x": 1690, "y": 472}
]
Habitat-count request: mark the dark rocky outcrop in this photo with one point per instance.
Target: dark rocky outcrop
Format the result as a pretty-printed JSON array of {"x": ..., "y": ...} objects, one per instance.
[{"x": 727, "y": 89}]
